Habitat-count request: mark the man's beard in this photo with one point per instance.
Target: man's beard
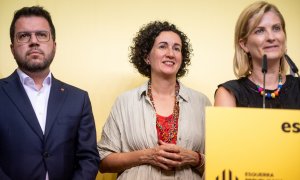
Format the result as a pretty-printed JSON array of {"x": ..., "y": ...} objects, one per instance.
[{"x": 26, "y": 65}]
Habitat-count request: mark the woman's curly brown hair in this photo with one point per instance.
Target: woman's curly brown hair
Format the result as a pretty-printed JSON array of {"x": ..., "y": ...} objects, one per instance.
[{"x": 144, "y": 41}]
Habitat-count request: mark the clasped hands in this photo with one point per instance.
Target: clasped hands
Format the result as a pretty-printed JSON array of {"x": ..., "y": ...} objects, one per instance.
[{"x": 169, "y": 156}]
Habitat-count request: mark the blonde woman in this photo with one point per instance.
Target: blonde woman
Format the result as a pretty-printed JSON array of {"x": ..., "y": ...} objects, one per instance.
[{"x": 260, "y": 30}]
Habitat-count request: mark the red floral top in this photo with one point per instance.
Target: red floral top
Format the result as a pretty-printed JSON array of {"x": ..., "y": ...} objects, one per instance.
[{"x": 166, "y": 128}]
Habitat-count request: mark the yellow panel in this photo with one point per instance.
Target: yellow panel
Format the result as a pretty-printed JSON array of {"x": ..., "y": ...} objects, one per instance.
[{"x": 250, "y": 143}]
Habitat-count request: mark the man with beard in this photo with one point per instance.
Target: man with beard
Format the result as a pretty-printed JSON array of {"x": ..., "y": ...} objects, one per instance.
[{"x": 47, "y": 128}]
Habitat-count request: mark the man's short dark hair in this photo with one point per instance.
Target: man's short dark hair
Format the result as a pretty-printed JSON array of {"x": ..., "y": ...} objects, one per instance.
[{"x": 31, "y": 11}]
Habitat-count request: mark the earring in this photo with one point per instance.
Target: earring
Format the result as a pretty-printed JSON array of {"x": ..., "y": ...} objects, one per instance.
[
  {"x": 249, "y": 56},
  {"x": 148, "y": 61}
]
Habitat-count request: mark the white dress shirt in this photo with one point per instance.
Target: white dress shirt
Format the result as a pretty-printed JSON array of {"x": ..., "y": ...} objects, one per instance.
[{"x": 38, "y": 98}]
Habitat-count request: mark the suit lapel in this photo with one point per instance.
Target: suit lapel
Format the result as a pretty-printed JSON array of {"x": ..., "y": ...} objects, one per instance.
[
  {"x": 56, "y": 99},
  {"x": 17, "y": 94}
]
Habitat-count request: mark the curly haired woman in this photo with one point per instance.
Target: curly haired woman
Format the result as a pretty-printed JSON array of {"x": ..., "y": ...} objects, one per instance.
[{"x": 156, "y": 131}]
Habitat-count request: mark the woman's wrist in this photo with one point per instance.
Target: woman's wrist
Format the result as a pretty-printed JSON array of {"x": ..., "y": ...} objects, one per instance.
[
  {"x": 200, "y": 160},
  {"x": 197, "y": 159},
  {"x": 146, "y": 156}
]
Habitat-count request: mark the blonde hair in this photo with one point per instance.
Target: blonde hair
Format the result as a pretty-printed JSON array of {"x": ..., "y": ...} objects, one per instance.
[{"x": 242, "y": 65}]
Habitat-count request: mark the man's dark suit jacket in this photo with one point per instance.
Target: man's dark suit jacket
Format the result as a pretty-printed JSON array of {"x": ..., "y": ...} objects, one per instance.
[{"x": 67, "y": 149}]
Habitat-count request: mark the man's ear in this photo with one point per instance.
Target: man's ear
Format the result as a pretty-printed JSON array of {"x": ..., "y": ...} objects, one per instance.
[
  {"x": 12, "y": 49},
  {"x": 54, "y": 46}
]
